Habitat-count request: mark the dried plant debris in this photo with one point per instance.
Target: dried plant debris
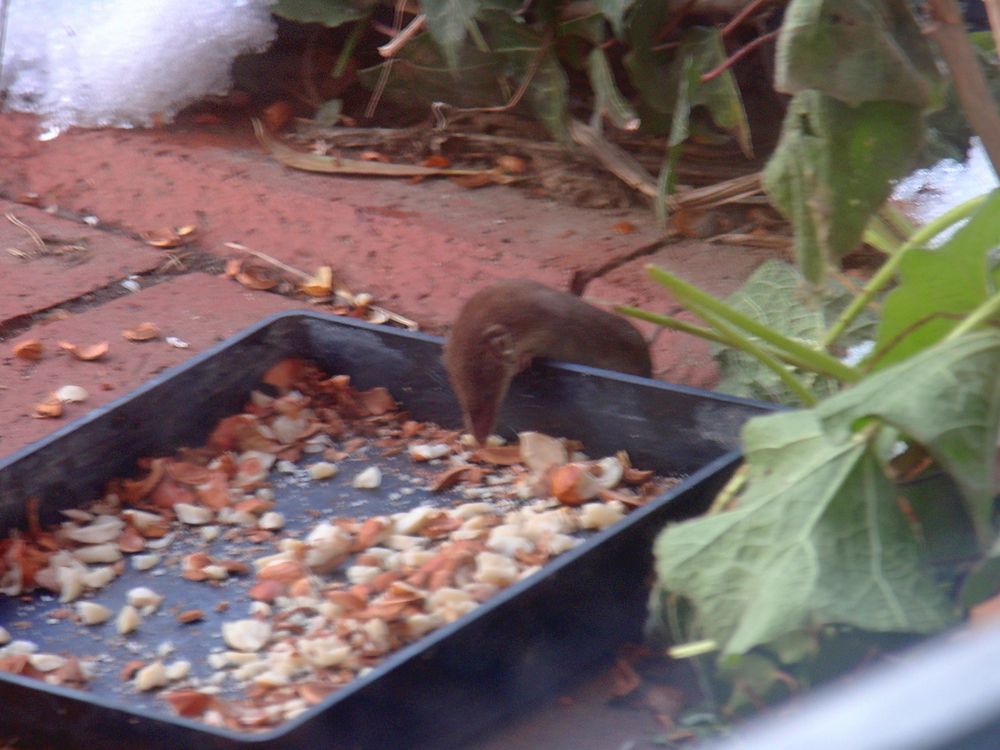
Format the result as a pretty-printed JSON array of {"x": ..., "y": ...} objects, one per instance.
[{"x": 321, "y": 597}]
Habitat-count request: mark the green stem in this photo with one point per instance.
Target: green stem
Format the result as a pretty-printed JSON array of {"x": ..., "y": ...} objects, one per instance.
[
  {"x": 676, "y": 324},
  {"x": 701, "y": 302},
  {"x": 981, "y": 314},
  {"x": 897, "y": 220},
  {"x": 881, "y": 236},
  {"x": 349, "y": 44},
  {"x": 666, "y": 321},
  {"x": 887, "y": 272},
  {"x": 740, "y": 342}
]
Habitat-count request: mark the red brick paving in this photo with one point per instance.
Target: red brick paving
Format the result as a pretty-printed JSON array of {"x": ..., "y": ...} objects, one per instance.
[
  {"x": 420, "y": 248},
  {"x": 196, "y": 308},
  {"x": 75, "y": 261}
]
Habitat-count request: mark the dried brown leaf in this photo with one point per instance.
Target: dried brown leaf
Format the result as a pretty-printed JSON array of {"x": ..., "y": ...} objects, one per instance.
[
  {"x": 320, "y": 285},
  {"x": 512, "y": 164},
  {"x": 30, "y": 349},
  {"x": 86, "y": 353},
  {"x": 142, "y": 332}
]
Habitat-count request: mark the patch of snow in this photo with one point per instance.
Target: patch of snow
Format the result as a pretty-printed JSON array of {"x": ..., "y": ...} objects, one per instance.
[
  {"x": 123, "y": 63},
  {"x": 928, "y": 193}
]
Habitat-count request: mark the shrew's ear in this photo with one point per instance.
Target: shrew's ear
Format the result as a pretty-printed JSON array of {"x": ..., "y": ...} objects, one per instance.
[{"x": 500, "y": 342}]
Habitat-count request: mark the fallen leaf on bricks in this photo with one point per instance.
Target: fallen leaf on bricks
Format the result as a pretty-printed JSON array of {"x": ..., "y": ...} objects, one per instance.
[
  {"x": 51, "y": 408},
  {"x": 86, "y": 353},
  {"x": 320, "y": 285},
  {"x": 142, "y": 332},
  {"x": 30, "y": 349},
  {"x": 256, "y": 277}
]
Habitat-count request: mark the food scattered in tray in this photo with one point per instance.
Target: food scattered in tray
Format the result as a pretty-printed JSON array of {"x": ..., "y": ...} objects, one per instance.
[{"x": 311, "y": 536}]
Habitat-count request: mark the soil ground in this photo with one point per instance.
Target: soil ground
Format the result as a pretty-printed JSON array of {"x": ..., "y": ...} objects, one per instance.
[{"x": 419, "y": 249}]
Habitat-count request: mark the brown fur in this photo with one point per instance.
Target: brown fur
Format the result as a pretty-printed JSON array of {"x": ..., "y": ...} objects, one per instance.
[{"x": 503, "y": 327}]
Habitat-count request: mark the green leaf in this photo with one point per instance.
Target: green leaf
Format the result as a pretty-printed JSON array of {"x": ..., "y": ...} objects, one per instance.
[
  {"x": 448, "y": 22},
  {"x": 755, "y": 677},
  {"x": 607, "y": 98},
  {"x": 856, "y": 51},
  {"x": 686, "y": 89},
  {"x": 937, "y": 288},
  {"x": 947, "y": 398},
  {"x": 658, "y": 76},
  {"x": 420, "y": 76},
  {"x": 817, "y": 538},
  {"x": 833, "y": 168},
  {"x": 614, "y": 11},
  {"x": 777, "y": 296},
  {"x": 518, "y": 48},
  {"x": 327, "y": 12}
]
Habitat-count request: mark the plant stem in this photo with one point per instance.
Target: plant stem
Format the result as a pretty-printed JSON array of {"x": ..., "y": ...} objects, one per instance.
[
  {"x": 741, "y": 342},
  {"x": 676, "y": 324},
  {"x": 967, "y": 75},
  {"x": 701, "y": 302},
  {"x": 981, "y": 314},
  {"x": 887, "y": 272}
]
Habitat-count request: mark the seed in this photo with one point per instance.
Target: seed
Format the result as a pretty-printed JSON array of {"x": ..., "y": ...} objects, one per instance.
[
  {"x": 92, "y": 613},
  {"x": 128, "y": 620},
  {"x": 323, "y": 470},
  {"x": 601, "y": 515},
  {"x": 368, "y": 479},
  {"x": 246, "y": 635},
  {"x": 46, "y": 662},
  {"x": 151, "y": 676},
  {"x": 272, "y": 521},
  {"x": 141, "y": 597},
  {"x": 193, "y": 515},
  {"x": 145, "y": 562},
  {"x": 107, "y": 552}
]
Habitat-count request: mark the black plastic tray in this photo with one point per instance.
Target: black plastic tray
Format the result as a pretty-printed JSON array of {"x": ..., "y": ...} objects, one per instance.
[{"x": 520, "y": 645}]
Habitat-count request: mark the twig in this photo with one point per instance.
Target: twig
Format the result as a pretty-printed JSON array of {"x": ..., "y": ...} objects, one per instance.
[
  {"x": 35, "y": 236},
  {"x": 268, "y": 259},
  {"x": 581, "y": 277},
  {"x": 394, "y": 45},
  {"x": 617, "y": 161},
  {"x": 343, "y": 294},
  {"x": 514, "y": 100},
  {"x": 383, "y": 78},
  {"x": 948, "y": 30},
  {"x": 737, "y": 56},
  {"x": 740, "y": 17}
]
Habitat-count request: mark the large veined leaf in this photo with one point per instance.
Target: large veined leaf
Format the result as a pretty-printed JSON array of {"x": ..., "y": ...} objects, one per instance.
[
  {"x": 939, "y": 287},
  {"x": 777, "y": 295},
  {"x": 659, "y": 76},
  {"x": 947, "y": 398},
  {"x": 856, "y": 51},
  {"x": 818, "y": 536},
  {"x": 522, "y": 52},
  {"x": 421, "y": 75},
  {"x": 448, "y": 22},
  {"x": 832, "y": 168}
]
